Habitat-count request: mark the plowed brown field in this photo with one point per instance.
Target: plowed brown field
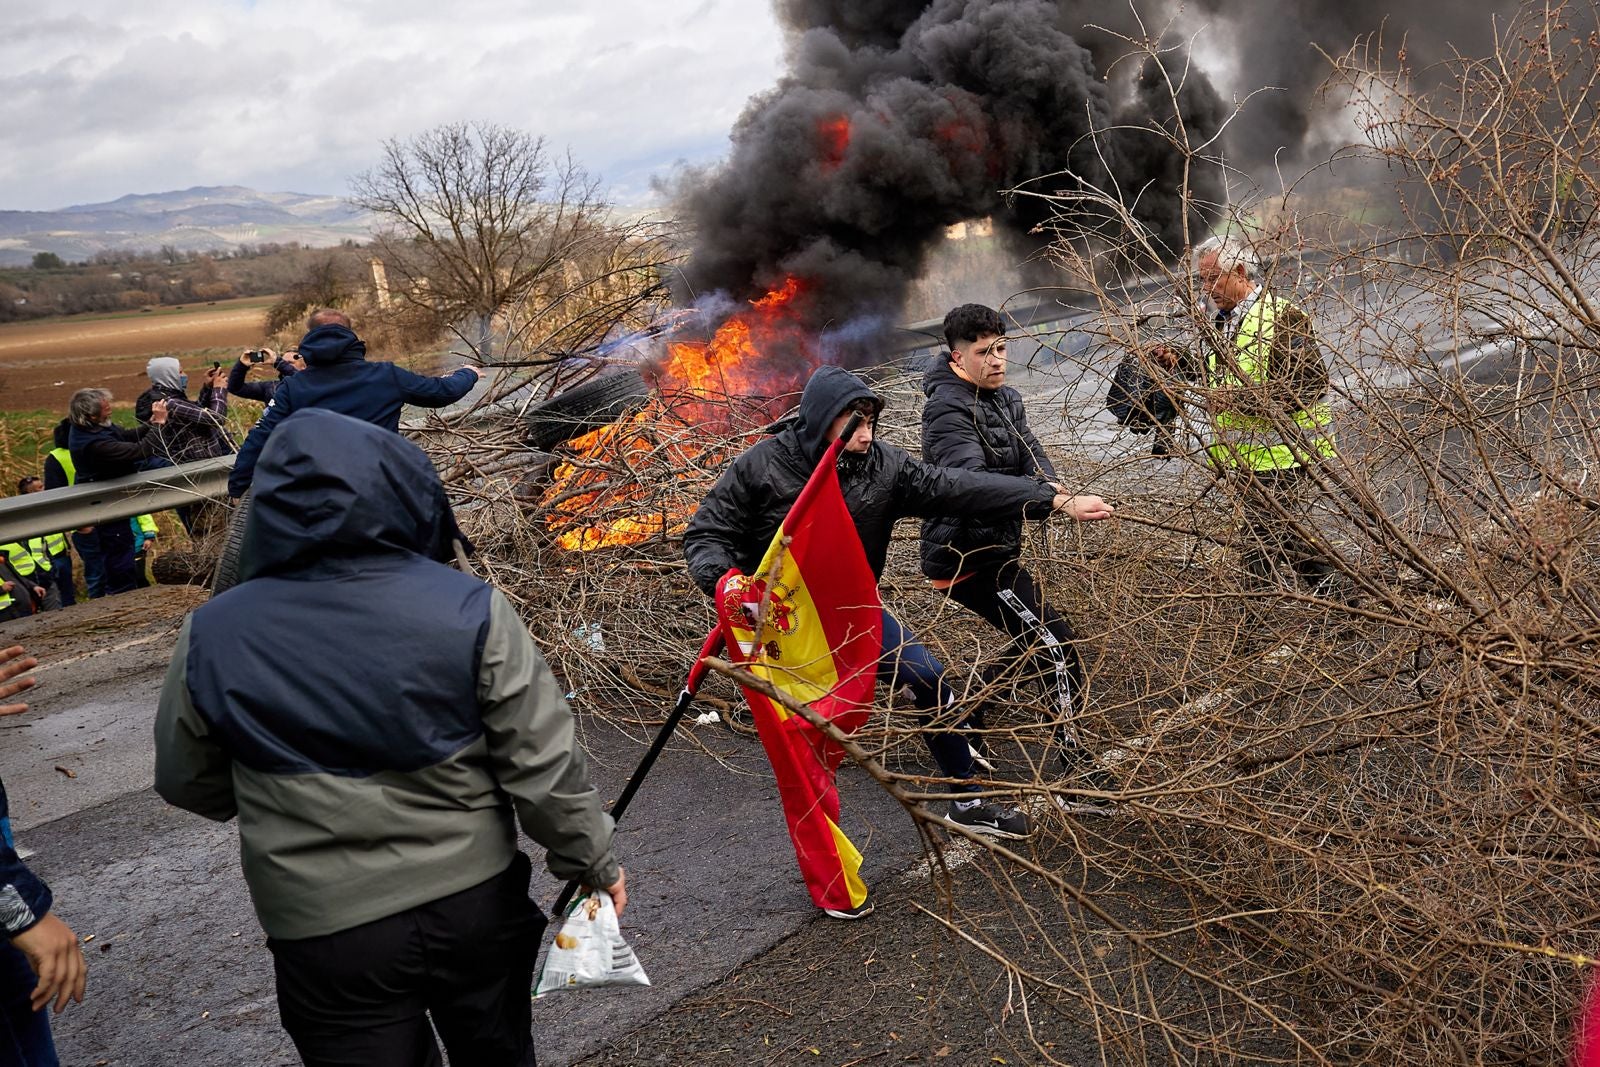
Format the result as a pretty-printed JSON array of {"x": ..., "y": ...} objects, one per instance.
[{"x": 42, "y": 363}]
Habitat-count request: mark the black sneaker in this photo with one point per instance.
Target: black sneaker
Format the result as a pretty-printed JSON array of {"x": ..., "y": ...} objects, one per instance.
[
  {"x": 990, "y": 819},
  {"x": 1084, "y": 772},
  {"x": 860, "y": 911}
]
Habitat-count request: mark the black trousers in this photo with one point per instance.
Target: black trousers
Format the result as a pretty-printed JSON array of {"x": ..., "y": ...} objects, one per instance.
[
  {"x": 362, "y": 997},
  {"x": 1272, "y": 504},
  {"x": 1042, "y": 642}
]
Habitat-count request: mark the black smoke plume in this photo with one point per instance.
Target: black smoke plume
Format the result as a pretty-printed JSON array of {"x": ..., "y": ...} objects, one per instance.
[{"x": 896, "y": 120}]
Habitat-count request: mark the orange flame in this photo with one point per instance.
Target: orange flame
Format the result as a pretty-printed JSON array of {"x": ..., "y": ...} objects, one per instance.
[
  {"x": 834, "y": 134},
  {"x": 739, "y": 379}
]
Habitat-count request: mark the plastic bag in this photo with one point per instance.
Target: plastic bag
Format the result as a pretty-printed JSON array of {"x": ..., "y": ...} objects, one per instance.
[{"x": 589, "y": 950}]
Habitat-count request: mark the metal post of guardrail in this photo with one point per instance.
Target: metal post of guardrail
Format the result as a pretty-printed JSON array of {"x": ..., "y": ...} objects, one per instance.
[{"x": 54, "y": 510}]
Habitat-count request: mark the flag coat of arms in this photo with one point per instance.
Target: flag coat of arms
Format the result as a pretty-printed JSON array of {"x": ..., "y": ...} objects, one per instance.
[{"x": 809, "y": 621}]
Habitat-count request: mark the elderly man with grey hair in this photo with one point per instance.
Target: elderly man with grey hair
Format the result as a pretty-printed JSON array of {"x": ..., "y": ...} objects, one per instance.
[
  {"x": 1265, "y": 393},
  {"x": 100, "y": 451}
]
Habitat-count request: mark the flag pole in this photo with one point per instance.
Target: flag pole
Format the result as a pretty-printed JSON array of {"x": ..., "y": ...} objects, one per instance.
[{"x": 697, "y": 673}]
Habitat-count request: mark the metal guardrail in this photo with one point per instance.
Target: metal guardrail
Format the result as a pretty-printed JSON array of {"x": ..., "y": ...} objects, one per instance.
[{"x": 35, "y": 514}]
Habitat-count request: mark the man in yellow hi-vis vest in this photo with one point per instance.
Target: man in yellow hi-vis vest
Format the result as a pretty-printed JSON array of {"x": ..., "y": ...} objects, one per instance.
[{"x": 1265, "y": 393}]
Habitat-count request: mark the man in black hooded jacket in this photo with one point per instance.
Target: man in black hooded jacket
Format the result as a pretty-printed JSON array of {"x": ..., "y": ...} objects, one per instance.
[
  {"x": 881, "y": 484},
  {"x": 338, "y": 377},
  {"x": 974, "y": 421}
]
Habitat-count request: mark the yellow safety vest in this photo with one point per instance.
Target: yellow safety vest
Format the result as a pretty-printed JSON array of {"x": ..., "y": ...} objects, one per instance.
[
  {"x": 147, "y": 524},
  {"x": 57, "y": 542},
  {"x": 1245, "y": 441},
  {"x": 63, "y": 456},
  {"x": 25, "y": 559}
]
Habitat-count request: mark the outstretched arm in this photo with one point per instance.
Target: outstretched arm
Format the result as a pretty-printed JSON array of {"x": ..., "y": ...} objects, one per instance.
[{"x": 435, "y": 392}]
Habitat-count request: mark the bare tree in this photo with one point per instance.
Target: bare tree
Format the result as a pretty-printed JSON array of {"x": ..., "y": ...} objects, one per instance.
[{"x": 475, "y": 216}]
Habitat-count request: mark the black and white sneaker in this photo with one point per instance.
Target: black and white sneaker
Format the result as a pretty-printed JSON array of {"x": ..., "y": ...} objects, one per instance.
[
  {"x": 1074, "y": 805},
  {"x": 1090, "y": 777},
  {"x": 990, "y": 819},
  {"x": 860, "y": 911}
]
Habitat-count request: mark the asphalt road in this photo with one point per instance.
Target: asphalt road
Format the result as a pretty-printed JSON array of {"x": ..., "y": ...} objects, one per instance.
[{"x": 179, "y": 969}]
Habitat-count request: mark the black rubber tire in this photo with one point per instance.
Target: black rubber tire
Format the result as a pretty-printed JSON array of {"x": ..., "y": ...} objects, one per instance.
[
  {"x": 584, "y": 407},
  {"x": 226, "y": 574}
]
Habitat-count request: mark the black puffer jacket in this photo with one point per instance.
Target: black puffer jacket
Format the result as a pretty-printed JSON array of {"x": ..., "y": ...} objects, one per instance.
[
  {"x": 975, "y": 429},
  {"x": 738, "y": 518}
]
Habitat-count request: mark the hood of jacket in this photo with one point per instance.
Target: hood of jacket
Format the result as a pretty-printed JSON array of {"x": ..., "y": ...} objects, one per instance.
[
  {"x": 942, "y": 374},
  {"x": 329, "y": 487},
  {"x": 63, "y": 433},
  {"x": 828, "y": 392},
  {"x": 165, "y": 373},
  {"x": 332, "y": 344}
]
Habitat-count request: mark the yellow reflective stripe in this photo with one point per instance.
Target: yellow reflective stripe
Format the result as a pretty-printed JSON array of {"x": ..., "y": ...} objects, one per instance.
[
  {"x": 41, "y": 554},
  {"x": 22, "y": 560},
  {"x": 64, "y": 457},
  {"x": 55, "y": 544}
]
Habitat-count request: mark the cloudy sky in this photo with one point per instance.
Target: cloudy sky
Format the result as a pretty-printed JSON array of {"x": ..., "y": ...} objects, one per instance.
[{"x": 106, "y": 97}]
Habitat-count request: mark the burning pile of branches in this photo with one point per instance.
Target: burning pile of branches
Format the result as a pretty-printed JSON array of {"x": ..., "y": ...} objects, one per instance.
[{"x": 1355, "y": 828}]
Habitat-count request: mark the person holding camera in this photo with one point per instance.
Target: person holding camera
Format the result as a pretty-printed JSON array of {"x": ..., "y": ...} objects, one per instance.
[
  {"x": 286, "y": 364},
  {"x": 974, "y": 421},
  {"x": 1265, "y": 390},
  {"x": 339, "y": 377},
  {"x": 194, "y": 428},
  {"x": 99, "y": 451}
]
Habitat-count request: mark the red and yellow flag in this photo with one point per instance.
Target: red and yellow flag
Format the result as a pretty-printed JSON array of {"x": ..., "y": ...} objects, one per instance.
[{"x": 810, "y": 622}]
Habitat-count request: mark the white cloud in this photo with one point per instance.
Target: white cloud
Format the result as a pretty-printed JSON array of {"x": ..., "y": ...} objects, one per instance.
[{"x": 106, "y": 98}]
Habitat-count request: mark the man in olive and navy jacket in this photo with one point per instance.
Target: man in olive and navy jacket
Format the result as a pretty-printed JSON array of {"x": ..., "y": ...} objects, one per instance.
[{"x": 379, "y": 779}]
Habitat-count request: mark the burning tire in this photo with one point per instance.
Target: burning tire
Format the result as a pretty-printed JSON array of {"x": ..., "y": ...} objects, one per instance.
[
  {"x": 226, "y": 574},
  {"x": 584, "y": 407}
]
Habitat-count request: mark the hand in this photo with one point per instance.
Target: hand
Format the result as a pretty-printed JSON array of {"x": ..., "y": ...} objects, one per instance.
[
  {"x": 38, "y": 592},
  {"x": 158, "y": 413},
  {"x": 477, "y": 371},
  {"x": 619, "y": 891},
  {"x": 57, "y": 958},
  {"x": 1082, "y": 508},
  {"x": 85, "y": 529},
  {"x": 14, "y": 661},
  {"x": 1165, "y": 356}
]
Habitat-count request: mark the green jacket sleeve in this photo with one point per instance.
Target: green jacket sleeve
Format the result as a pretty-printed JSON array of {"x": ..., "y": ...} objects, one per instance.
[
  {"x": 192, "y": 770},
  {"x": 535, "y": 756}
]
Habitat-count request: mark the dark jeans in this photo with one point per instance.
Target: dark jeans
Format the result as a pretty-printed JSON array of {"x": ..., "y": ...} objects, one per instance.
[
  {"x": 94, "y": 571},
  {"x": 116, "y": 556},
  {"x": 1273, "y": 503},
  {"x": 363, "y": 996},
  {"x": 24, "y": 1033},
  {"x": 906, "y": 662},
  {"x": 61, "y": 575},
  {"x": 1042, "y": 642}
]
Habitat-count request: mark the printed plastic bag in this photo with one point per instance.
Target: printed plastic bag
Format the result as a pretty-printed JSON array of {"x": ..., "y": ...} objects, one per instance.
[{"x": 589, "y": 950}]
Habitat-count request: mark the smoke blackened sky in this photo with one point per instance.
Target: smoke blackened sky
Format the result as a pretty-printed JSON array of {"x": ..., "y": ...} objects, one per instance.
[
  {"x": 1277, "y": 44},
  {"x": 897, "y": 118}
]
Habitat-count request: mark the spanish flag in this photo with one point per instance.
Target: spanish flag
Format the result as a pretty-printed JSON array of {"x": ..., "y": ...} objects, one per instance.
[{"x": 810, "y": 622}]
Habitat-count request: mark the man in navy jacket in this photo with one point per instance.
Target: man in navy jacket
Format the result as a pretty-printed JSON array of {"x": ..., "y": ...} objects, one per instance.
[{"x": 339, "y": 378}]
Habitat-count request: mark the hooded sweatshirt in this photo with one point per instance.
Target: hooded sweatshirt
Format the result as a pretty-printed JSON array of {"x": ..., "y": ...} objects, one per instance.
[
  {"x": 381, "y": 769},
  {"x": 738, "y": 518},
  {"x": 339, "y": 378}
]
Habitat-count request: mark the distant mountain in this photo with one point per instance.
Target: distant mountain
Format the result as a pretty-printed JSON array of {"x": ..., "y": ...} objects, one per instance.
[{"x": 201, "y": 219}]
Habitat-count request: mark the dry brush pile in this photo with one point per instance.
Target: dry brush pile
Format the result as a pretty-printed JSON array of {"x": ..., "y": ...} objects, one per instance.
[{"x": 1353, "y": 828}]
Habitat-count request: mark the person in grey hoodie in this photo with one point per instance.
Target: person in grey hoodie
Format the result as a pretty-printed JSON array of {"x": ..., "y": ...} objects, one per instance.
[{"x": 378, "y": 782}]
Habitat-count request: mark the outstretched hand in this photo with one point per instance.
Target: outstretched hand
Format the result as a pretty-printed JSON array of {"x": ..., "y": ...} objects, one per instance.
[
  {"x": 14, "y": 661},
  {"x": 1083, "y": 508}
]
